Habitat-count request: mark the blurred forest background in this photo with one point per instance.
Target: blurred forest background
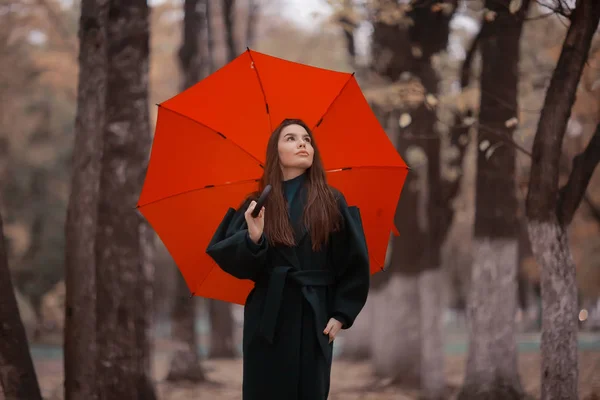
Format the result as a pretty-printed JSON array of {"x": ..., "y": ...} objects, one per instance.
[{"x": 438, "y": 75}]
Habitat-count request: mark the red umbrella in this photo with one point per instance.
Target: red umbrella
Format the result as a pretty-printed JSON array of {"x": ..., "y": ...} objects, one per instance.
[{"x": 210, "y": 145}]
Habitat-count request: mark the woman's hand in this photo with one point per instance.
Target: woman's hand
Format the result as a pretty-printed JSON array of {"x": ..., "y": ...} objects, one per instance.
[
  {"x": 255, "y": 225},
  {"x": 332, "y": 328}
]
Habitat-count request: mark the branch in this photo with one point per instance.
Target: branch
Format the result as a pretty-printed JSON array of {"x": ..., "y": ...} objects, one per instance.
[
  {"x": 560, "y": 10},
  {"x": 543, "y": 196},
  {"x": 505, "y": 138},
  {"x": 572, "y": 193}
]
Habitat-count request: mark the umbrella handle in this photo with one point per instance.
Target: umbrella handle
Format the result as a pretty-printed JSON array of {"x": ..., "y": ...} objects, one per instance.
[{"x": 261, "y": 201}]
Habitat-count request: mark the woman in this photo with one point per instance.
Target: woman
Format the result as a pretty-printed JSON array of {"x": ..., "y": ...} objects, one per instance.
[{"x": 307, "y": 254}]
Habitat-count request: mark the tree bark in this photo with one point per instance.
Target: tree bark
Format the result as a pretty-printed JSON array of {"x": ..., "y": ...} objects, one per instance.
[
  {"x": 396, "y": 342},
  {"x": 547, "y": 231},
  {"x": 492, "y": 371},
  {"x": 221, "y": 318},
  {"x": 221, "y": 330},
  {"x": 433, "y": 377},
  {"x": 122, "y": 253},
  {"x": 229, "y": 19},
  {"x": 81, "y": 222},
  {"x": 424, "y": 215},
  {"x": 185, "y": 363},
  {"x": 210, "y": 42},
  {"x": 251, "y": 23},
  {"x": 17, "y": 374}
]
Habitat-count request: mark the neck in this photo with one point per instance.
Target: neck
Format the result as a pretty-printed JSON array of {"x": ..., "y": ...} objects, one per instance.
[{"x": 291, "y": 173}]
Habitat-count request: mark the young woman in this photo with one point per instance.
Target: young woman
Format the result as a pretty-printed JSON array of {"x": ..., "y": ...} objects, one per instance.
[{"x": 307, "y": 254}]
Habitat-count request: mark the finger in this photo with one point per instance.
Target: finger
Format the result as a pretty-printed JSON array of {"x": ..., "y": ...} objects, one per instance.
[
  {"x": 333, "y": 330},
  {"x": 251, "y": 207},
  {"x": 261, "y": 214},
  {"x": 328, "y": 328}
]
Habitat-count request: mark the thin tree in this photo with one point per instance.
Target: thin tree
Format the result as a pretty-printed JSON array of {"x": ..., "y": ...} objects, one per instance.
[
  {"x": 185, "y": 364},
  {"x": 81, "y": 222},
  {"x": 123, "y": 267},
  {"x": 221, "y": 318},
  {"x": 229, "y": 20},
  {"x": 550, "y": 209},
  {"x": 17, "y": 375},
  {"x": 492, "y": 371},
  {"x": 251, "y": 23}
]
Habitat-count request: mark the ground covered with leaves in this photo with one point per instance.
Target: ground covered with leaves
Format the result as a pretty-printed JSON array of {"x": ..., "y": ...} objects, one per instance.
[{"x": 350, "y": 380}]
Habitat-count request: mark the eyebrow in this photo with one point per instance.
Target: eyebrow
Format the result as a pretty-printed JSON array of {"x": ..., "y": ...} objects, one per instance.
[{"x": 296, "y": 134}]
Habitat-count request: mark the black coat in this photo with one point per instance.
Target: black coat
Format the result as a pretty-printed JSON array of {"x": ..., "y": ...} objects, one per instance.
[{"x": 286, "y": 355}]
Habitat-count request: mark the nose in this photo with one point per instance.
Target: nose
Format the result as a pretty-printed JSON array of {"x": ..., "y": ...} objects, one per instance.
[{"x": 301, "y": 144}]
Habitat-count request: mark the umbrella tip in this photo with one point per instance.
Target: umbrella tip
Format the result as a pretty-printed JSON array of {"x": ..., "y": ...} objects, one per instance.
[{"x": 192, "y": 294}]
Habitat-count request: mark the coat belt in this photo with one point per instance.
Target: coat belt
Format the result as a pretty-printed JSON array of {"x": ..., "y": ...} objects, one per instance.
[{"x": 306, "y": 279}]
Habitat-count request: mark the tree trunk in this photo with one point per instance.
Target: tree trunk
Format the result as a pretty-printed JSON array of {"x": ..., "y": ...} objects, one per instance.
[
  {"x": 17, "y": 374},
  {"x": 396, "y": 341},
  {"x": 229, "y": 19},
  {"x": 185, "y": 363},
  {"x": 80, "y": 228},
  {"x": 546, "y": 221},
  {"x": 123, "y": 264},
  {"x": 221, "y": 318},
  {"x": 433, "y": 375},
  {"x": 356, "y": 342},
  {"x": 492, "y": 371},
  {"x": 424, "y": 215},
  {"x": 221, "y": 330},
  {"x": 251, "y": 23},
  {"x": 210, "y": 41}
]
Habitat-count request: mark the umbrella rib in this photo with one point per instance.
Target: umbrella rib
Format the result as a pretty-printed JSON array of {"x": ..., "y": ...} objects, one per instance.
[
  {"x": 261, "y": 88},
  {"x": 369, "y": 167},
  {"x": 256, "y": 180},
  {"x": 215, "y": 131},
  {"x": 198, "y": 189},
  {"x": 333, "y": 101}
]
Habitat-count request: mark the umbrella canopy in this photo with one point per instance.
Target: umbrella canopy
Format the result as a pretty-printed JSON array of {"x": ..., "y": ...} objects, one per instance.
[{"x": 210, "y": 145}]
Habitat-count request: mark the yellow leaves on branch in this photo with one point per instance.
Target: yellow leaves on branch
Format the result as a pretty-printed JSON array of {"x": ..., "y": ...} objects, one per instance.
[
  {"x": 431, "y": 100},
  {"x": 489, "y": 15},
  {"x": 515, "y": 6},
  {"x": 446, "y": 8},
  {"x": 405, "y": 94},
  {"x": 404, "y": 120},
  {"x": 512, "y": 122}
]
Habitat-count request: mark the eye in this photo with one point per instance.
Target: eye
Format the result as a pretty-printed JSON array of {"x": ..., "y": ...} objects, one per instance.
[
  {"x": 307, "y": 139},
  {"x": 290, "y": 138}
]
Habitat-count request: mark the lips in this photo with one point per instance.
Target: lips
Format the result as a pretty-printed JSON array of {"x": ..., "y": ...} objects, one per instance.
[{"x": 302, "y": 153}]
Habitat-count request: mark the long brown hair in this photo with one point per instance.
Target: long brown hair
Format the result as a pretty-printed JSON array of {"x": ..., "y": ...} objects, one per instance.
[{"x": 321, "y": 215}]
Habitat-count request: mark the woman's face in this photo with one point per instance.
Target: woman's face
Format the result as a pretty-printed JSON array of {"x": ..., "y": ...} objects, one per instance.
[{"x": 295, "y": 150}]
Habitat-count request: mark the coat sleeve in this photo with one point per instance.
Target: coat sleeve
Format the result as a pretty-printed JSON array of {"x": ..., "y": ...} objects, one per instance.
[
  {"x": 351, "y": 265},
  {"x": 234, "y": 251}
]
